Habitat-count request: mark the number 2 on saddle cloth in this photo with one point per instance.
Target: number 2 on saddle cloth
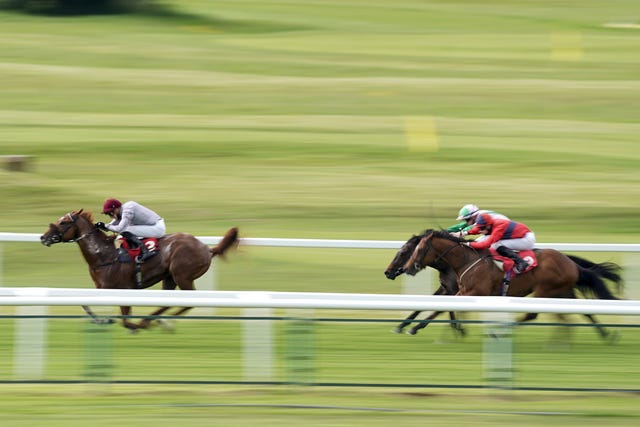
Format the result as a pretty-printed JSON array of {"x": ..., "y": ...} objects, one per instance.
[{"x": 126, "y": 253}]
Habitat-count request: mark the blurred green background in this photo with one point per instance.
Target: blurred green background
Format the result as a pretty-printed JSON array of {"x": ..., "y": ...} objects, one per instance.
[{"x": 321, "y": 119}]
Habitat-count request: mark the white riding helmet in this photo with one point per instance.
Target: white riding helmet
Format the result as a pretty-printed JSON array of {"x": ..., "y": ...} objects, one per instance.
[{"x": 467, "y": 212}]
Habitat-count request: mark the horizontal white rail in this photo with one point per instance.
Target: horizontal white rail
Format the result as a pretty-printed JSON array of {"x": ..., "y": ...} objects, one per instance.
[
  {"x": 38, "y": 296},
  {"x": 358, "y": 244}
]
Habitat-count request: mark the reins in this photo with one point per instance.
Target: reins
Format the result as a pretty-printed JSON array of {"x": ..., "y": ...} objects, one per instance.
[
  {"x": 84, "y": 236},
  {"x": 77, "y": 239},
  {"x": 440, "y": 256}
]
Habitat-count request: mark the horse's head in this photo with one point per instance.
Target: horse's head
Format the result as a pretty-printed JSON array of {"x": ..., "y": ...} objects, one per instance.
[
  {"x": 431, "y": 251},
  {"x": 417, "y": 261},
  {"x": 395, "y": 268},
  {"x": 67, "y": 229}
]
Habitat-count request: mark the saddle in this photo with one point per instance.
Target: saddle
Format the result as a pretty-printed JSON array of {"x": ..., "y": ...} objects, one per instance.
[
  {"x": 506, "y": 264},
  {"x": 127, "y": 253}
]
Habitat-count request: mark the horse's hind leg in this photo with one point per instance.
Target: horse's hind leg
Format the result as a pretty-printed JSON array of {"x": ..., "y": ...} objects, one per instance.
[
  {"x": 144, "y": 323},
  {"x": 169, "y": 283},
  {"x": 609, "y": 337}
]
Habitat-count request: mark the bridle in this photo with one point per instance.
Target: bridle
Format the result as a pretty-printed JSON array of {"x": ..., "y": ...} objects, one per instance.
[
  {"x": 422, "y": 253},
  {"x": 58, "y": 236}
]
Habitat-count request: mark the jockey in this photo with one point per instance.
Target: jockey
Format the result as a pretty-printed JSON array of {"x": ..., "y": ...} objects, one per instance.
[
  {"x": 468, "y": 215},
  {"x": 133, "y": 221},
  {"x": 505, "y": 237}
]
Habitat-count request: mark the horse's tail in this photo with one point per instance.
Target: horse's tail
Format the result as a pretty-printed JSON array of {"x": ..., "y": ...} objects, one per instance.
[
  {"x": 229, "y": 240},
  {"x": 590, "y": 284},
  {"x": 606, "y": 270}
]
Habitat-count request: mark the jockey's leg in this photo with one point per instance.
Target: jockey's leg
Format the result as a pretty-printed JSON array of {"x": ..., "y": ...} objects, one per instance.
[
  {"x": 521, "y": 265},
  {"x": 145, "y": 254}
]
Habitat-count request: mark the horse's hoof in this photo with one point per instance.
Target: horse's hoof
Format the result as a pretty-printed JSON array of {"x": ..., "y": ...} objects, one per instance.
[
  {"x": 103, "y": 321},
  {"x": 412, "y": 332},
  {"x": 166, "y": 326},
  {"x": 613, "y": 338}
]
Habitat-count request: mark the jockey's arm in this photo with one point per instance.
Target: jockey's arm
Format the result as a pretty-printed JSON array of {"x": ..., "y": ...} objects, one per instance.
[{"x": 457, "y": 227}]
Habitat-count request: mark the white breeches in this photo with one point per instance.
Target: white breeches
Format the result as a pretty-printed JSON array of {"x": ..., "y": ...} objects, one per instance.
[
  {"x": 156, "y": 230},
  {"x": 522, "y": 244}
]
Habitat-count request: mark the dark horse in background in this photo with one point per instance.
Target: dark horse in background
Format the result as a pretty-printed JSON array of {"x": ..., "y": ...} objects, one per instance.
[
  {"x": 181, "y": 259},
  {"x": 449, "y": 279}
]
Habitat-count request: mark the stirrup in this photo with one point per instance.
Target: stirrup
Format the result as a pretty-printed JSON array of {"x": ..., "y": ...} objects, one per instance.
[
  {"x": 504, "y": 288},
  {"x": 518, "y": 270},
  {"x": 141, "y": 258}
]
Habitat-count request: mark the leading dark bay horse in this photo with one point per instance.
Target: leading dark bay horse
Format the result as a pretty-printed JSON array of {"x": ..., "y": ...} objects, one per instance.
[
  {"x": 580, "y": 273},
  {"x": 182, "y": 258}
]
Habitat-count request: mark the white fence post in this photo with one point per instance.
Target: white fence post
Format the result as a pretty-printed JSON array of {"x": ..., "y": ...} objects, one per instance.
[
  {"x": 497, "y": 351},
  {"x": 30, "y": 343},
  {"x": 258, "y": 345}
]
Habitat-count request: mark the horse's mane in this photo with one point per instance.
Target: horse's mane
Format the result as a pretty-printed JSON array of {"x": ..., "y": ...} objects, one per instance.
[
  {"x": 85, "y": 214},
  {"x": 443, "y": 234}
]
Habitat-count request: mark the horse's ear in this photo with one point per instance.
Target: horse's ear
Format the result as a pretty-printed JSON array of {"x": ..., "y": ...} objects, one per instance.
[{"x": 80, "y": 211}]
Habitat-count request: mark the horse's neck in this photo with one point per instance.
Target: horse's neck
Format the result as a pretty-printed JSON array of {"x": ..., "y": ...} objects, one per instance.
[
  {"x": 457, "y": 257},
  {"x": 96, "y": 248}
]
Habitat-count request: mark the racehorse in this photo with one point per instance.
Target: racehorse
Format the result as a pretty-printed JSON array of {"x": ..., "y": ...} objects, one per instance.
[
  {"x": 449, "y": 281},
  {"x": 556, "y": 276},
  {"x": 181, "y": 259}
]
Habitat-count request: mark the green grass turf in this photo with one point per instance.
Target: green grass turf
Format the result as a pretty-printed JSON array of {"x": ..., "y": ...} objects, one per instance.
[{"x": 289, "y": 119}]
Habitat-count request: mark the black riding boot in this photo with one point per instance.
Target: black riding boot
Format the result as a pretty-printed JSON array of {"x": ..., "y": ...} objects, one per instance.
[
  {"x": 521, "y": 265},
  {"x": 145, "y": 254}
]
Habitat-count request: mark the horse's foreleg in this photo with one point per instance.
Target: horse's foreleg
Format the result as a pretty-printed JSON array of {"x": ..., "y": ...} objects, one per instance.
[
  {"x": 95, "y": 318},
  {"x": 527, "y": 317},
  {"x": 126, "y": 311},
  {"x": 424, "y": 323},
  {"x": 455, "y": 325},
  {"x": 405, "y": 322},
  {"x": 182, "y": 311}
]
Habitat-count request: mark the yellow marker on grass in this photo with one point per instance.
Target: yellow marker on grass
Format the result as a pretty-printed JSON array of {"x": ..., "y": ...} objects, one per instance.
[
  {"x": 421, "y": 134},
  {"x": 566, "y": 45}
]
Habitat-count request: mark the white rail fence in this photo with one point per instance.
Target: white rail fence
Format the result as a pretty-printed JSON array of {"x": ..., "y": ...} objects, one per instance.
[
  {"x": 37, "y": 296},
  {"x": 258, "y": 349},
  {"x": 30, "y": 340},
  {"x": 359, "y": 244},
  {"x": 411, "y": 286}
]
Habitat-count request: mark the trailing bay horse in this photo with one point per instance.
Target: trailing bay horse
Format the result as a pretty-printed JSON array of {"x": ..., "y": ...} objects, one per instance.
[
  {"x": 556, "y": 276},
  {"x": 181, "y": 259}
]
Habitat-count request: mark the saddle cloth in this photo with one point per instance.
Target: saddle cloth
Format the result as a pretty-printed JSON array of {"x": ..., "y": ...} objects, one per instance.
[
  {"x": 150, "y": 242},
  {"x": 506, "y": 264}
]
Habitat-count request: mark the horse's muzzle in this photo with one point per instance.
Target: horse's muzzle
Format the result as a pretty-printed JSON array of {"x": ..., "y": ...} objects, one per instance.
[
  {"x": 48, "y": 240},
  {"x": 392, "y": 274}
]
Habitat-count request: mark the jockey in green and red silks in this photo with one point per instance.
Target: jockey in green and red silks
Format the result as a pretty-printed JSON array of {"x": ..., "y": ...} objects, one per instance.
[
  {"x": 505, "y": 237},
  {"x": 468, "y": 215}
]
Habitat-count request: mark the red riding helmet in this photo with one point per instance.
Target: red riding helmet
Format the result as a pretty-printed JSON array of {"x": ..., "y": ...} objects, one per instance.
[
  {"x": 484, "y": 221},
  {"x": 110, "y": 205}
]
